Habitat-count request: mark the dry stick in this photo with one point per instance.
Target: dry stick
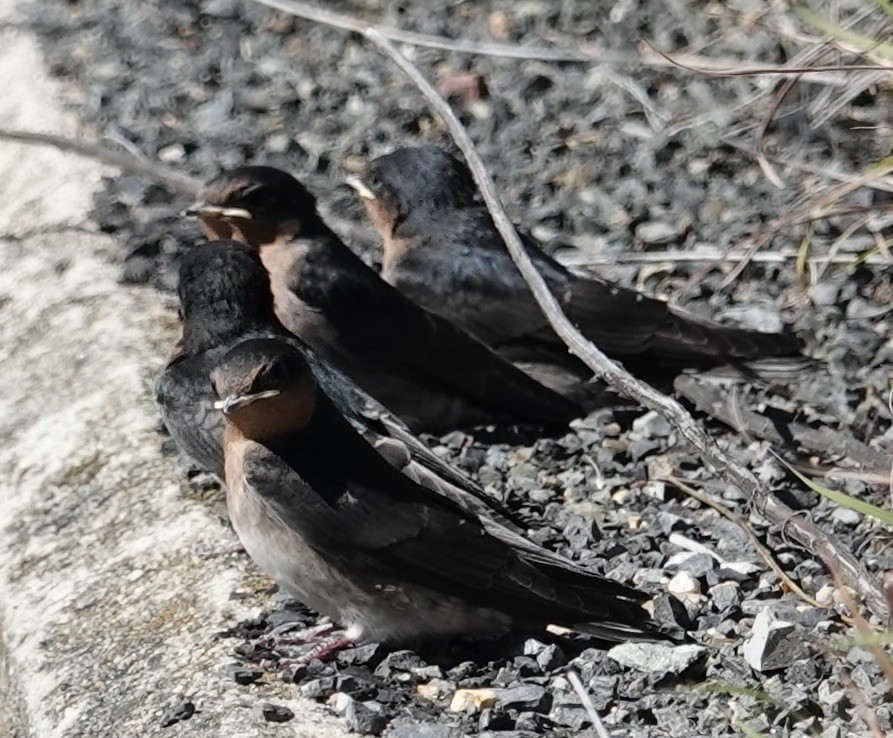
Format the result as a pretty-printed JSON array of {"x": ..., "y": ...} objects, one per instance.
[
  {"x": 349, "y": 23},
  {"x": 697, "y": 257},
  {"x": 133, "y": 161},
  {"x": 172, "y": 179},
  {"x": 741, "y": 523},
  {"x": 802, "y": 529},
  {"x": 515, "y": 51}
]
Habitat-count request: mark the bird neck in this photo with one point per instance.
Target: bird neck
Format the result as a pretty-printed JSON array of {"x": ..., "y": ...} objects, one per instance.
[
  {"x": 328, "y": 449},
  {"x": 222, "y": 322},
  {"x": 265, "y": 421}
]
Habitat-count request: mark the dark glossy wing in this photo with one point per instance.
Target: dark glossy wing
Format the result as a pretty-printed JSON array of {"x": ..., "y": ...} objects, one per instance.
[
  {"x": 375, "y": 320},
  {"x": 184, "y": 394},
  {"x": 404, "y": 451},
  {"x": 623, "y": 322},
  {"x": 386, "y": 526},
  {"x": 489, "y": 298}
]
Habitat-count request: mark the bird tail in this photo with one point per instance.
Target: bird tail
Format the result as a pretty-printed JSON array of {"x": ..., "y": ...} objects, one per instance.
[
  {"x": 768, "y": 370},
  {"x": 623, "y": 632}
]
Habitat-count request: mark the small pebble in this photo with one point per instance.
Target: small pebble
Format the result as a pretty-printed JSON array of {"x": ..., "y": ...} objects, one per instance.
[
  {"x": 472, "y": 700},
  {"x": 180, "y": 712},
  {"x": 772, "y": 644},
  {"x": 276, "y": 713},
  {"x": 684, "y": 583}
]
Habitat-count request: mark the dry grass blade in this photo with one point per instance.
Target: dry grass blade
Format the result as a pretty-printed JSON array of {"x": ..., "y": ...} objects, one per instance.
[
  {"x": 861, "y": 704},
  {"x": 780, "y": 71},
  {"x": 821, "y": 200},
  {"x": 861, "y": 42},
  {"x": 587, "y": 703},
  {"x": 741, "y": 523},
  {"x": 673, "y": 256},
  {"x": 804, "y": 530}
]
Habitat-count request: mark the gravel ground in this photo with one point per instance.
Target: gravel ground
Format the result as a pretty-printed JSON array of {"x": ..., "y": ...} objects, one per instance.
[{"x": 615, "y": 160}]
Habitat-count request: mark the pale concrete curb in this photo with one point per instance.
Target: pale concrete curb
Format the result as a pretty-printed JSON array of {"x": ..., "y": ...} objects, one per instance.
[{"x": 107, "y": 610}]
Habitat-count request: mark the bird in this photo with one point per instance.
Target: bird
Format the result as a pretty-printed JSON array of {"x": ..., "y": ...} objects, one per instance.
[
  {"x": 432, "y": 374},
  {"x": 389, "y": 559},
  {"x": 225, "y": 299},
  {"x": 442, "y": 250},
  {"x": 221, "y": 290}
]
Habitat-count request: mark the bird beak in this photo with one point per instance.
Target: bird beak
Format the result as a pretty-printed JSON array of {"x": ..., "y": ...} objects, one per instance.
[
  {"x": 235, "y": 400},
  {"x": 202, "y": 208},
  {"x": 361, "y": 189}
]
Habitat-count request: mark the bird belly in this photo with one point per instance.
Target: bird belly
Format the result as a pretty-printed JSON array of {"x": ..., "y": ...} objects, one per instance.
[
  {"x": 373, "y": 606},
  {"x": 283, "y": 554}
]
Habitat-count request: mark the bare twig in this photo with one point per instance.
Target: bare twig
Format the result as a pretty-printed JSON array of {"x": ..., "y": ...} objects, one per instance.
[
  {"x": 741, "y": 523},
  {"x": 587, "y": 55},
  {"x": 349, "y": 23},
  {"x": 587, "y": 704},
  {"x": 172, "y": 179},
  {"x": 804, "y": 530},
  {"x": 701, "y": 256}
]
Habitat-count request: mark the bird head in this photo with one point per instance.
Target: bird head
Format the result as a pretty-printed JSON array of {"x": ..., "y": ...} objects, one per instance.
[
  {"x": 255, "y": 205},
  {"x": 411, "y": 181},
  {"x": 266, "y": 388},
  {"x": 224, "y": 290}
]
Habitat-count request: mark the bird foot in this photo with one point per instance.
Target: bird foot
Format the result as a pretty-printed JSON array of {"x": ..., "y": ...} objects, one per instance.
[
  {"x": 320, "y": 651},
  {"x": 321, "y": 646},
  {"x": 284, "y": 636}
]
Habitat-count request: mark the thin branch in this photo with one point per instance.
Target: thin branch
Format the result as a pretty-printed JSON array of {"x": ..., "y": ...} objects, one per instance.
[
  {"x": 580, "y": 55},
  {"x": 703, "y": 257},
  {"x": 804, "y": 530},
  {"x": 170, "y": 178},
  {"x": 349, "y": 23},
  {"x": 741, "y": 523}
]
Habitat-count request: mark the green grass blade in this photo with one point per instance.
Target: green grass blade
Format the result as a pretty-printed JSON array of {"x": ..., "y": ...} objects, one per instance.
[
  {"x": 866, "y": 43},
  {"x": 886, "y": 6},
  {"x": 842, "y": 499}
]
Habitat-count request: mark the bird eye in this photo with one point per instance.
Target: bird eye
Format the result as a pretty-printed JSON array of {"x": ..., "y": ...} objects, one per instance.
[
  {"x": 274, "y": 372},
  {"x": 254, "y": 195}
]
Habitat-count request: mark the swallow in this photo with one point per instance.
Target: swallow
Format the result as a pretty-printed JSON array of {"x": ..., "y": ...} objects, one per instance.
[
  {"x": 225, "y": 300},
  {"x": 345, "y": 532},
  {"x": 433, "y": 375},
  {"x": 442, "y": 250},
  {"x": 221, "y": 291}
]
